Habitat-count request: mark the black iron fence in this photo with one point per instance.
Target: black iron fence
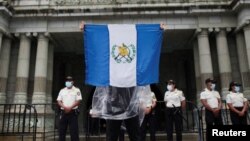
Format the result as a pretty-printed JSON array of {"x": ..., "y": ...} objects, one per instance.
[
  {"x": 191, "y": 118},
  {"x": 18, "y": 120},
  {"x": 225, "y": 114},
  {"x": 42, "y": 121}
]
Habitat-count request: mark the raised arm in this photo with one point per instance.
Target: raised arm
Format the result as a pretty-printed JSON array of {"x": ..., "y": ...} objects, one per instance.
[
  {"x": 81, "y": 26},
  {"x": 163, "y": 26}
]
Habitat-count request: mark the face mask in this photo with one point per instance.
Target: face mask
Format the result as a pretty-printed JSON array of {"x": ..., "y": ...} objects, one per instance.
[
  {"x": 68, "y": 84},
  {"x": 213, "y": 86},
  {"x": 170, "y": 87},
  {"x": 237, "y": 89}
]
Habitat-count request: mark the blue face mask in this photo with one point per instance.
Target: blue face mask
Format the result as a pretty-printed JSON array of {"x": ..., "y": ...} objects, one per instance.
[
  {"x": 237, "y": 89},
  {"x": 213, "y": 86},
  {"x": 170, "y": 87},
  {"x": 68, "y": 84}
]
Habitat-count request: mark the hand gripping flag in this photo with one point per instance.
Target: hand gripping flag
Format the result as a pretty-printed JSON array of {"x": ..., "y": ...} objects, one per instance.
[{"x": 122, "y": 55}]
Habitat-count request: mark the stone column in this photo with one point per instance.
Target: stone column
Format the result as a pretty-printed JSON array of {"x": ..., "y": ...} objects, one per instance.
[
  {"x": 50, "y": 73},
  {"x": 23, "y": 69},
  {"x": 197, "y": 72},
  {"x": 4, "y": 68},
  {"x": 247, "y": 40},
  {"x": 50, "y": 113},
  {"x": 243, "y": 63},
  {"x": 206, "y": 69},
  {"x": 224, "y": 62},
  {"x": 39, "y": 94},
  {"x": 1, "y": 36}
]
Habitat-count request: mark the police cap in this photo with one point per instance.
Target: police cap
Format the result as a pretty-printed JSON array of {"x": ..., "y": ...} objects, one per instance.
[
  {"x": 210, "y": 80},
  {"x": 233, "y": 83},
  {"x": 171, "y": 82},
  {"x": 69, "y": 78}
]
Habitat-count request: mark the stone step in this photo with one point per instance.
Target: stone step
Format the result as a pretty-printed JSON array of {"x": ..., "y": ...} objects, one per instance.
[{"x": 159, "y": 137}]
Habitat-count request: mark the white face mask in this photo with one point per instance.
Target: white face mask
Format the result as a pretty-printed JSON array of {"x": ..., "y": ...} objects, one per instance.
[
  {"x": 213, "y": 86},
  {"x": 170, "y": 87},
  {"x": 68, "y": 84},
  {"x": 237, "y": 89}
]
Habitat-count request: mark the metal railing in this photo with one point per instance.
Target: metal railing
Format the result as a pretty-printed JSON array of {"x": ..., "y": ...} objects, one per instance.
[
  {"x": 18, "y": 120},
  {"x": 31, "y": 120},
  {"x": 224, "y": 115},
  {"x": 191, "y": 118},
  {"x": 43, "y": 119}
]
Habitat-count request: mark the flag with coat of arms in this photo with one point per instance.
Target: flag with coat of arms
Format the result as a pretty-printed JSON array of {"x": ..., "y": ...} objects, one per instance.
[{"x": 124, "y": 55}]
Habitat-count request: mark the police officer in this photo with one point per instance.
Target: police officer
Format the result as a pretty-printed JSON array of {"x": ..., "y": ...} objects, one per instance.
[
  {"x": 237, "y": 104},
  {"x": 149, "y": 119},
  {"x": 210, "y": 99},
  {"x": 175, "y": 102},
  {"x": 68, "y": 99}
]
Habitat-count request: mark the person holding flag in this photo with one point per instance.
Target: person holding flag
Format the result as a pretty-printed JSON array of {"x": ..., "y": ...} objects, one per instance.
[{"x": 119, "y": 60}]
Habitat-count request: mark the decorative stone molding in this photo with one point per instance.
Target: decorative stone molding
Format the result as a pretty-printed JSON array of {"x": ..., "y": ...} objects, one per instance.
[
  {"x": 35, "y": 34},
  {"x": 247, "y": 25},
  {"x": 198, "y": 30},
  {"x": 28, "y": 34},
  {"x": 90, "y": 2},
  {"x": 5, "y": 2},
  {"x": 85, "y": 2},
  {"x": 210, "y": 29},
  {"x": 47, "y": 34},
  {"x": 217, "y": 29},
  {"x": 228, "y": 29},
  {"x": 17, "y": 35}
]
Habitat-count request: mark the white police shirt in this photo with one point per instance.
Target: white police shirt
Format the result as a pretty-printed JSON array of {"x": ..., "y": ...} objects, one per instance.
[
  {"x": 237, "y": 99},
  {"x": 150, "y": 100},
  {"x": 173, "y": 98},
  {"x": 211, "y": 97},
  {"x": 69, "y": 96}
]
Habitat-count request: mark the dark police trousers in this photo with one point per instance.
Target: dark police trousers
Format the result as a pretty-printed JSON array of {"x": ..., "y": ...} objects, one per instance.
[
  {"x": 236, "y": 119},
  {"x": 71, "y": 120},
  {"x": 212, "y": 120},
  {"x": 174, "y": 117},
  {"x": 114, "y": 126},
  {"x": 149, "y": 119},
  {"x": 121, "y": 134}
]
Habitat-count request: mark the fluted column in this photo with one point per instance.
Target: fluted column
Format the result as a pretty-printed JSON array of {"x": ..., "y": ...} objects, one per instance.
[
  {"x": 243, "y": 55},
  {"x": 224, "y": 61},
  {"x": 50, "y": 73},
  {"x": 206, "y": 69},
  {"x": 197, "y": 71},
  {"x": 247, "y": 40},
  {"x": 1, "y": 36},
  {"x": 4, "y": 67},
  {"x": 23, "y": 69},
  {"x": 39, "y": 94}
]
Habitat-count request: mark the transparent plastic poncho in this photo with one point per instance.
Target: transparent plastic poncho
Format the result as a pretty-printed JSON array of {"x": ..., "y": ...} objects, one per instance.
[{"x": 120, "y": 103}]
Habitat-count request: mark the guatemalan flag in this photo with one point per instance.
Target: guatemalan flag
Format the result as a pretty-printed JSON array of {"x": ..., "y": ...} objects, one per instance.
[{"x": 122, "y": 55}]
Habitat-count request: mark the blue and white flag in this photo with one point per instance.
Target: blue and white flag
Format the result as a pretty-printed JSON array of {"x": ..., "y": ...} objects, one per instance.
[{"x": 122, "y": 55}]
